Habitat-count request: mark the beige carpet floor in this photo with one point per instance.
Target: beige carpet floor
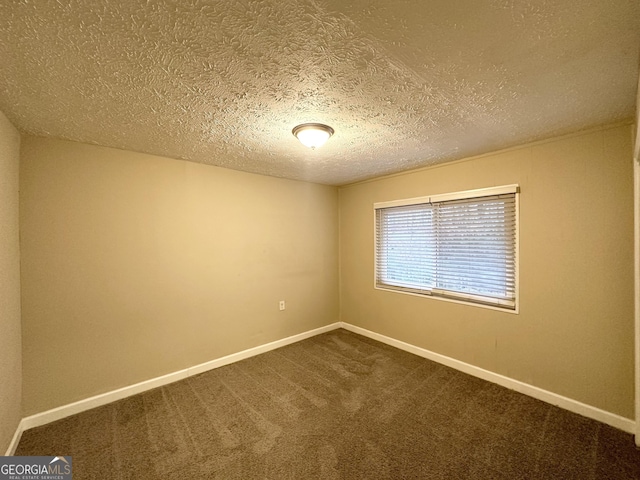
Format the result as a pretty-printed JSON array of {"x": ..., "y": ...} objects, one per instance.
[{"x": 336, "y": 406}]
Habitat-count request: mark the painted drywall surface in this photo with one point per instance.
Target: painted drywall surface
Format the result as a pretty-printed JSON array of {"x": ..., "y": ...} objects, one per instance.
[
  {"x": 636, "y": 139},
  {"x": 135, "y": 266},
  {"x": 574, "y": 333},
  {"x": 10, "y": 335},
  {"x": 403, "y": 83}
]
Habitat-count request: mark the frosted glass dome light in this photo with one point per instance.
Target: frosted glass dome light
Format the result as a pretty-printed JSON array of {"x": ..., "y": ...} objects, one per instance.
[{"x": 312, "y": 135}]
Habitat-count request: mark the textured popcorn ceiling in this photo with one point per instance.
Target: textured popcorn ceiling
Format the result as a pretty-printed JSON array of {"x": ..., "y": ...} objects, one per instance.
[{"x": 404, "y": 83}]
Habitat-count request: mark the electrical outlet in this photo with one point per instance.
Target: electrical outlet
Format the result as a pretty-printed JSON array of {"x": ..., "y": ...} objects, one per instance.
[{"x": 281, "y": 304}]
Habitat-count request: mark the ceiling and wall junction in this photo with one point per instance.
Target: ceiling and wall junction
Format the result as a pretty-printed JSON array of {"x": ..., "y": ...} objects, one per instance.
[{"x": 404, "y": 84}]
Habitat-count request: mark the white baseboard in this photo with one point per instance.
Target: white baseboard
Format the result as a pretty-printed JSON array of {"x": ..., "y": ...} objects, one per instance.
[
  {"x": 575, "y": 406},
  {"x": 104, "y": 398},
  {"x": 15, "y": 440}
]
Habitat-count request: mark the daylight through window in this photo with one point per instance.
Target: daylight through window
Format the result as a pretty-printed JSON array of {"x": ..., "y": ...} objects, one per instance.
[{"x": 461, "y": 246}]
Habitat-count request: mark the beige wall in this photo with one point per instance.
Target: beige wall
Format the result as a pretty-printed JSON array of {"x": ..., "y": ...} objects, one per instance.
[
  {"x": 134, "y": 266},
  {"x": 10, "y": 343},
  {"x": 574, "y": 333}
]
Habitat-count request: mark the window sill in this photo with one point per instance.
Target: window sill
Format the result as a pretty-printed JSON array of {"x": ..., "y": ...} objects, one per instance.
[{"x": 515, "y": 311}]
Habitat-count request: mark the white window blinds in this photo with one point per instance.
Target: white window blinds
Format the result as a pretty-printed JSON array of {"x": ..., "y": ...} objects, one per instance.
[{"x": 458, "y": 246}]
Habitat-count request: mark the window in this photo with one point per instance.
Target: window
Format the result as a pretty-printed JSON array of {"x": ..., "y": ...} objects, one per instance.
[{"x": 460, "y": 246}]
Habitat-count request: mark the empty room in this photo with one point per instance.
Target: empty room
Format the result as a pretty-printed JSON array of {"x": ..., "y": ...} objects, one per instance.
[{"x": 315, "y": 239}]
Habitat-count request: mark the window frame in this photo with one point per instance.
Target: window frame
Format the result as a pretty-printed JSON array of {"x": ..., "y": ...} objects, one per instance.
[{"x": 460, "y": 195}]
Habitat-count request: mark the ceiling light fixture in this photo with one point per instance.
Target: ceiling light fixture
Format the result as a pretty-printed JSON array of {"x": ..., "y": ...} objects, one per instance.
[{"x": 312, "y": 135}]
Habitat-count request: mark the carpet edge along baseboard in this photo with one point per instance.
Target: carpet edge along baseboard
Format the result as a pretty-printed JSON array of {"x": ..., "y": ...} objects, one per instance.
[{"x": 43, "y": 418}]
